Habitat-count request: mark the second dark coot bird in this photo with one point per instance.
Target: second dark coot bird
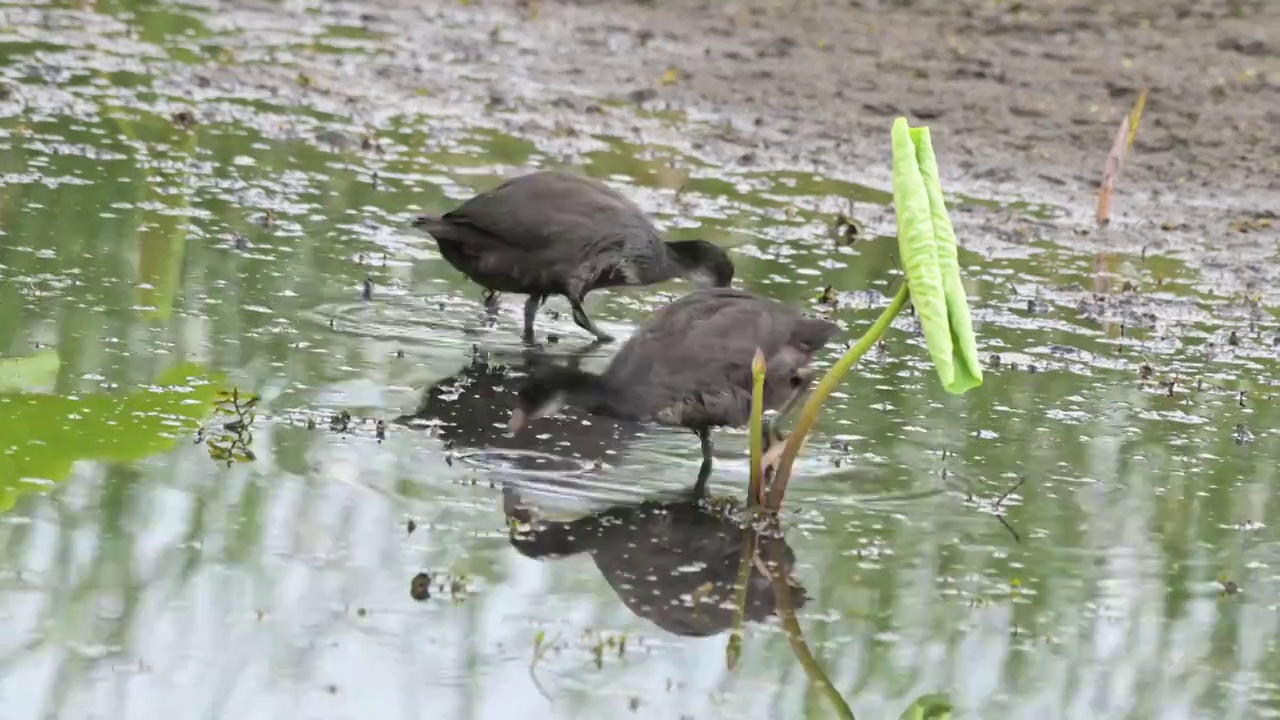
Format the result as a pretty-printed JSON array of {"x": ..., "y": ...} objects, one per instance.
[
  {"x": 690, "y": 366},
  {"x": 558, "y": 233}
]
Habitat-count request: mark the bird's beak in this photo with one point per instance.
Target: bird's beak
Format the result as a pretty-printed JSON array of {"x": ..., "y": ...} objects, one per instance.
[{"x": 517, "y": 421}]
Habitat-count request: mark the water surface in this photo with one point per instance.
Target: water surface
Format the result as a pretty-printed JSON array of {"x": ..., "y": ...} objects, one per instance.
[{"x": 148, "y": 263}]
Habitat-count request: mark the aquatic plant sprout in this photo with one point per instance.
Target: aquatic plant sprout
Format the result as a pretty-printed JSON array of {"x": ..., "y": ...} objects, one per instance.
[{"x": 927, "y": 245}]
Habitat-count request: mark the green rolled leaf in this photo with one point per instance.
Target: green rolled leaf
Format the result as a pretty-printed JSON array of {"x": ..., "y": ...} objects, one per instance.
[
  {"x": 968, "y": 370},
  {"x": 927, "y": 244}
]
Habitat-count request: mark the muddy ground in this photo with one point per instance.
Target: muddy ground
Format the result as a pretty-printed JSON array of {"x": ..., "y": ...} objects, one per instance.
[{"x": 1023, "y": 97}]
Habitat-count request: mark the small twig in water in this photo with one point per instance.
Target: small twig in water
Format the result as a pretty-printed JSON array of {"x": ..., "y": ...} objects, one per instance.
[
  {"x": 1010, "y": 491},
  {"x": 1016, "y": 538}
]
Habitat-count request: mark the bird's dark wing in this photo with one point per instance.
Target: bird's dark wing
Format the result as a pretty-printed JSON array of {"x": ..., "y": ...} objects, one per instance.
[
  {"x": 553, "y": 212},
  {"x": 695, "y": 355}
]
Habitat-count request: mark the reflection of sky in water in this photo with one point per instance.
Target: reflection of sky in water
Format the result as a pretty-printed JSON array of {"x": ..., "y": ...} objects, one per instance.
[{"x": 281, "y": 587}]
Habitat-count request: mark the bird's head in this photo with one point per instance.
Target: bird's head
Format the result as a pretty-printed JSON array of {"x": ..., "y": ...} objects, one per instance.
[
  {"x": 703, "y": 263},
  {"x": 547, "y": 390}
]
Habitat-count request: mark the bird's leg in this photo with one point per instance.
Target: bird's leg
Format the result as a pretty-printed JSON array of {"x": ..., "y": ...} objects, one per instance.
[
  {"x": 584, "y": 322},
  {"x": 490, "y": 298},
  {"x": 704, "y": 472},
  {"x": 530, "y": 312}
]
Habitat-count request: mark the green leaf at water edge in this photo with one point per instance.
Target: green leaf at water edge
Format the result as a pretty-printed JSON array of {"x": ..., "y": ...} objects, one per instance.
[
  {"x": 42, "y": 436},
  {"x": 927, "y": 245},
  {"x": 31, "y": 372}
]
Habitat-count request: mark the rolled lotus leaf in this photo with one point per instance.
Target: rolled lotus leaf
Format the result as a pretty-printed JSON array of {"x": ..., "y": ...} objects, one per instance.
[{"x": 927, "y": 245}]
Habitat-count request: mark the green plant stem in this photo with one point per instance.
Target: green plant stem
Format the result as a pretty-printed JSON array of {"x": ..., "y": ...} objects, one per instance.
[
  {"x": 787, "y": 614},
  {"x": 755, "y": 490},
  {"x": 809, "y": 413},
  {"x": 734, "y": 649}
]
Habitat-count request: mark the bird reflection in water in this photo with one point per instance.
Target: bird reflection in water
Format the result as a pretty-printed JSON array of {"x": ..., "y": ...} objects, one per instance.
[
  {"x": 470, "y": 409},
  {"x": 674, "y": 562}
]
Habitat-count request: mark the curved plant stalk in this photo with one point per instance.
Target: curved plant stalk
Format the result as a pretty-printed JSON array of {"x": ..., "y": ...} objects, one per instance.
[
  {"x": 755, "y": 491},
  {"x": 733, "y": 650},
  {"x": 927, "y": 245},
  {"x": 813, "y": 404},
  {"x": 787, "y": 614}
]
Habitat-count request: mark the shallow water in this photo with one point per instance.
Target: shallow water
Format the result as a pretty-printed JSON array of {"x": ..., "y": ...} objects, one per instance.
[{"x": 146, "y": 266}]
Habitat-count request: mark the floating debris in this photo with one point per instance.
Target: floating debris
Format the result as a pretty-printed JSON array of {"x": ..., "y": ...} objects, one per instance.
[
  {"x": 846, "y": 229},
  {"x": 184, "y": 119},
  {"x": 1242, "y": 434},
  {"x": 420, "y": 587}
]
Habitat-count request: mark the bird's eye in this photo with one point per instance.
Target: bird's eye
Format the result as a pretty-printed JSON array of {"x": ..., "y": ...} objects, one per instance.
[{"x": 796, "y": 381}]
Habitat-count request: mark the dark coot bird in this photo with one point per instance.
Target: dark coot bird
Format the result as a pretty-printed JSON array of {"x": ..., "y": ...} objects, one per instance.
[
  {"x": 557, "y": 233},
  {"x": 674, "y": 563},
  {"x": 690, "y": 366}
]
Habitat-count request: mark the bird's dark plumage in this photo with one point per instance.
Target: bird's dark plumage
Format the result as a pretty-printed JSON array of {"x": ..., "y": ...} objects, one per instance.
[
  {"x": 690, "y": 365},
  {"x": 557, "y": 233}
]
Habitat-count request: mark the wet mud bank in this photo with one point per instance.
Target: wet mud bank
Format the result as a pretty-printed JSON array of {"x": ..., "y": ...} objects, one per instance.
[{"x": 1023, "y": 98}]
